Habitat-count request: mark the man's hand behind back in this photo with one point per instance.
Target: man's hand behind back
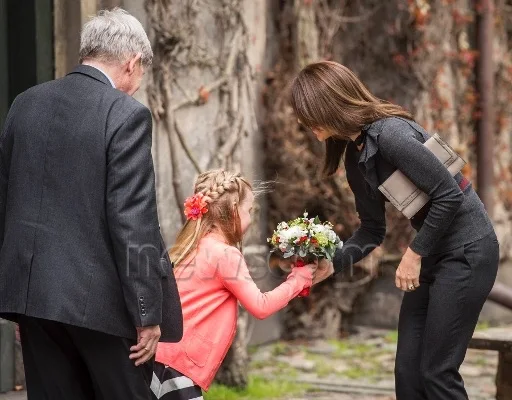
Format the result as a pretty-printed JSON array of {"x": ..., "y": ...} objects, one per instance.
[{"x": 147, "y": 341}]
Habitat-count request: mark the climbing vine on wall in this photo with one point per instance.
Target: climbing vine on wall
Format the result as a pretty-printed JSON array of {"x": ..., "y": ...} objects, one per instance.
[
  {"x": 200, "y": 91},
  {"x": 178, "y": 49},
  {"x": 417, "y": 53}
]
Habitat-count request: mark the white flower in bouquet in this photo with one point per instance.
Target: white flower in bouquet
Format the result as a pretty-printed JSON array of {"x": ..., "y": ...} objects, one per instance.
[{"x": 292, "y": 234}]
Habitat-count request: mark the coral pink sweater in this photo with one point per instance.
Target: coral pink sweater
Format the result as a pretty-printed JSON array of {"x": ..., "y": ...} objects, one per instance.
[{"x": 210, "y": 284}]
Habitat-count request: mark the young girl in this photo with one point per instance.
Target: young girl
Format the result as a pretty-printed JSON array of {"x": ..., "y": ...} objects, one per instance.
[{"x": 212, "y": 277}]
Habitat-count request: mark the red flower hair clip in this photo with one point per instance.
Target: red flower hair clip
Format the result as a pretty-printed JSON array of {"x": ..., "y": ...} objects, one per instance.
[{"x": 195, "y": 206}]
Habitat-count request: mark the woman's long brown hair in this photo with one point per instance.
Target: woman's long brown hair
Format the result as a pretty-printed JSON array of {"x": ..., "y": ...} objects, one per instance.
[
  {"x": 225, "y": 191},
  {"x": 329, "y": 95}
]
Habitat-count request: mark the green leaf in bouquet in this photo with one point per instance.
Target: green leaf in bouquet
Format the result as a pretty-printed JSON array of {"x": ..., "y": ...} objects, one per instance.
[
  {"x": 319, "y": 254},
  {"x": 317, "y": 220}
]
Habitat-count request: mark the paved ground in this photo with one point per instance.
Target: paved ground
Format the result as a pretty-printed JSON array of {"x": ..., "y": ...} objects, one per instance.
[
  {"x": 14, "y": 396},
  {"x": 357, "y": 368},
  {"x": 320, "y": 396}
]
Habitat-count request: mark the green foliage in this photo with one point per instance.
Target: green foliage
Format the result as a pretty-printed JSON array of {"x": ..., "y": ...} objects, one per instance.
[
  {"x": 281, "y": 349},
  {"x": 481, "y": 362},
  {"x": 258, "y": 388},
  {"x": 346, "y": 349},
  {"x": 392, "y": 337},
  {"x": 360, "y": 373},
  {"x": 363, "y": 349},
  {"x": 482, "y": 326},
  {"x": 324, "y": 368},
  {"x": 342, "y": 346}
]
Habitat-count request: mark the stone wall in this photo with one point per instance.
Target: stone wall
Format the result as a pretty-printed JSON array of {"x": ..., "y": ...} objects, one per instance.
[{"x": 196, "y": 125}]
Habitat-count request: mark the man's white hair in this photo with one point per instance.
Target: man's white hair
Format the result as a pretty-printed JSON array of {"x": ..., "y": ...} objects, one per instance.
[{"x": 114, "y": 36}]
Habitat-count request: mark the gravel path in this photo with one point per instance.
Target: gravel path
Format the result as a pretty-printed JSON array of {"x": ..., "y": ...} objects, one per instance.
[
  {"x": 356, "y": 368},
  {"x": 359, "y": 368}
]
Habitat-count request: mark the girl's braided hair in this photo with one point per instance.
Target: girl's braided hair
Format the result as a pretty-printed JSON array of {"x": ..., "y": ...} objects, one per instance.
[{"x": 223, "y": 191}]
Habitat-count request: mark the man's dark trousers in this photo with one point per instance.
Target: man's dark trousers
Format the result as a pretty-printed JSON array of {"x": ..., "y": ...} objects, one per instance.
[{"x": 68, "y": 362}]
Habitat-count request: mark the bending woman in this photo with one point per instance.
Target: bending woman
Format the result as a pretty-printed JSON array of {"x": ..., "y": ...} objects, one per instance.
[{"x": 449, "y": 268}]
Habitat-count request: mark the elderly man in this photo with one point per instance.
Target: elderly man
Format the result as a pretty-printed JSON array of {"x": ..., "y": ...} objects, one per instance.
[{"x": 83, "y": 268}]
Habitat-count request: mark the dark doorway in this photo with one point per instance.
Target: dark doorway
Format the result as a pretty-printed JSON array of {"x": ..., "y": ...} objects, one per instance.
[{"x": 26, "y": 48}]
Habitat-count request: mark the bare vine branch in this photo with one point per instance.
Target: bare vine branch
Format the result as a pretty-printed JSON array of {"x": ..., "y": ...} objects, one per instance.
[
  {"x": 176, "y": 181},
  {"x": 351, "y": 285},
  {"x": 229, "y": 146},
  {"x": 185, "y": 147},
  {"x": 195, "y": 101},
  {"x": 177, "y": 47}
]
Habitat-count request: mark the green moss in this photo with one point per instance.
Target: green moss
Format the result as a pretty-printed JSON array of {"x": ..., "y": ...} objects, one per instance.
[
  {"x": 392, "y": 337},
  {"x": 323, "y": 369},
  {"x": 262, "y": 364},
  {"x": 278, "y": 367},
  {"x": 359, "y": 373},
  {"x": 258, "y": 388},
  {"x": 281, "y": 349},
  {"x": 313, "y": 357},
  {"x": 341, "y": 346},
  {"x": 282, "y": 368},
  {"x": 481, "y": 361},
  {"x": 354, "y": 373},
  {"x": 482, "y": 326},
  {"x": 363, "y": 349},
  {"x": 345, "y": 348}
]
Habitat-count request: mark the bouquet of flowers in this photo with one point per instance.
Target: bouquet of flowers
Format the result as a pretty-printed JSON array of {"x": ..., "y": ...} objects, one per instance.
[{"x": 306, "y": 238}]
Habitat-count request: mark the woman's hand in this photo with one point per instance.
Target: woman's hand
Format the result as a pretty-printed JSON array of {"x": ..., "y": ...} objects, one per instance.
[
  {"x": 408, "y": 271},
  {"x": 324, "y": 271},
  {"x": 313, "y": 267}
]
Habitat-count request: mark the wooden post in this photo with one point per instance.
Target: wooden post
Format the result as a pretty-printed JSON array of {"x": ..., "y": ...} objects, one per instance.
[
  {"x": 59, "y": 37},
  {"x": 485, "y": 85},
  {"x": 504, "y": 376},
  {"x": 67, "y": 25}
]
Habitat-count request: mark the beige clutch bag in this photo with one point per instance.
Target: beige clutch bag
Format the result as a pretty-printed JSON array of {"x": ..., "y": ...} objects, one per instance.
[{"x": 404, "y": 194}]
